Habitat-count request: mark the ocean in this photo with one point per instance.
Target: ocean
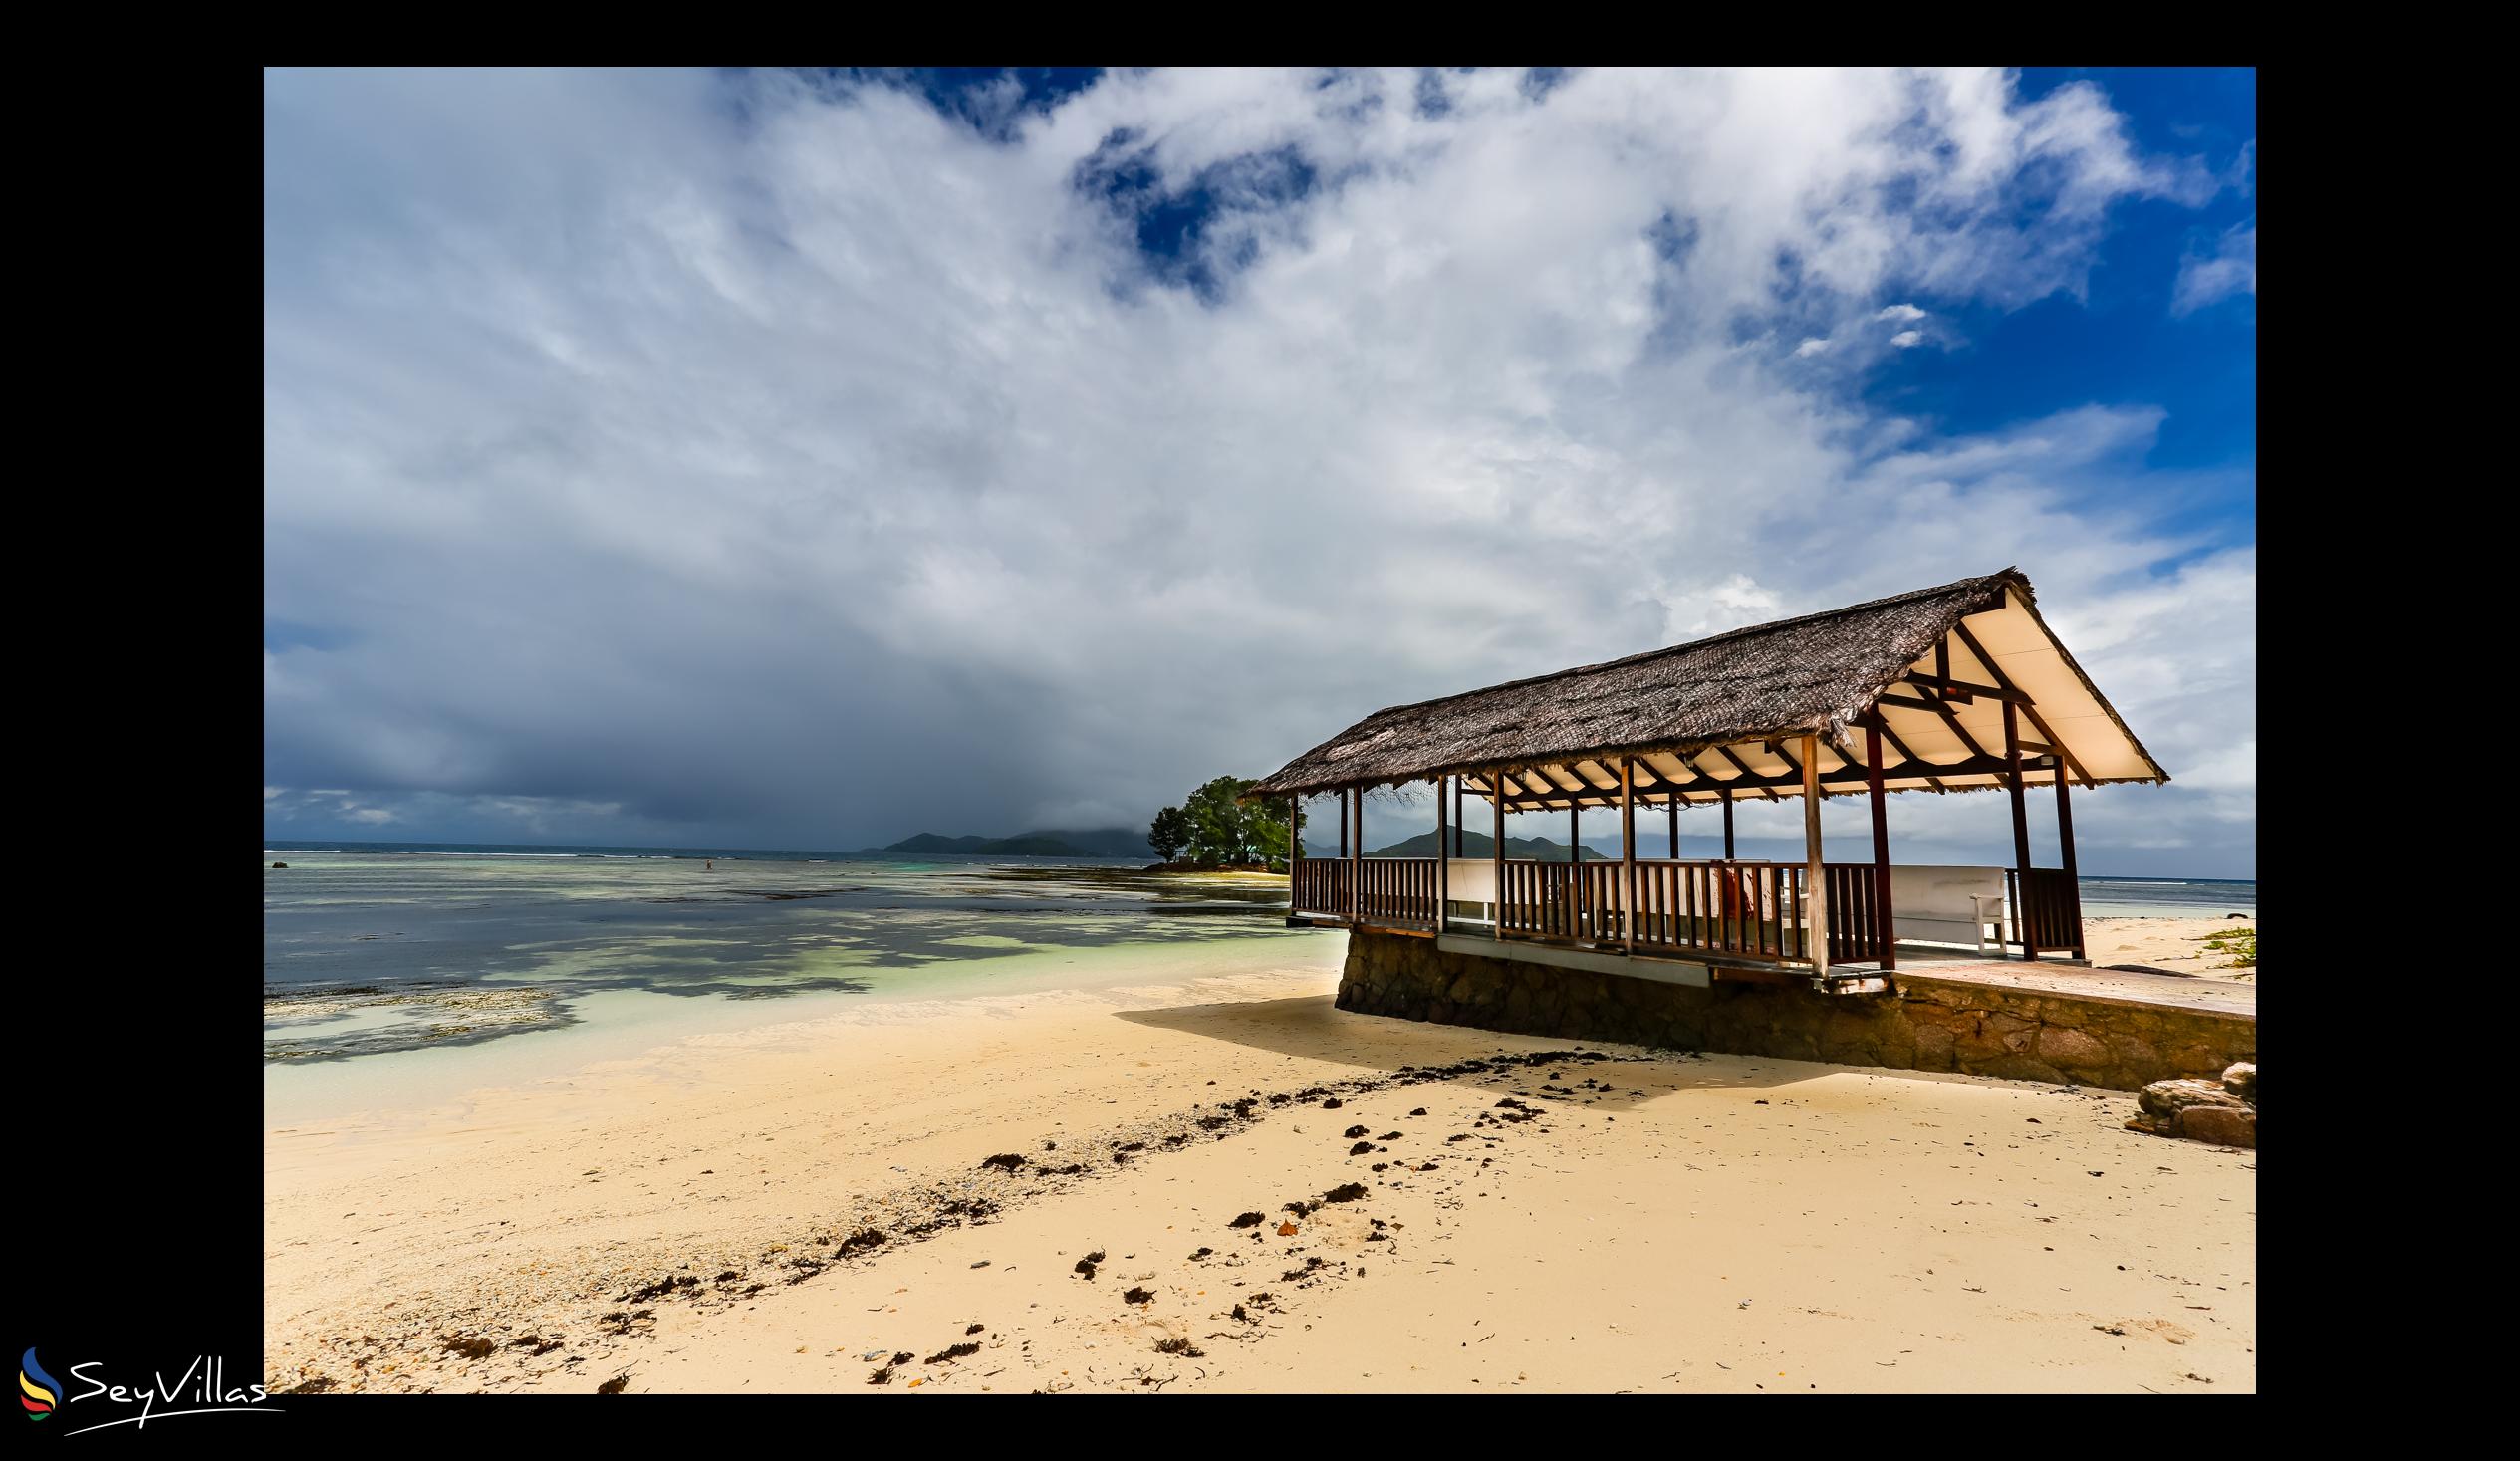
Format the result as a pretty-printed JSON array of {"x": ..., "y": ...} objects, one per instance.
[
  {"x": 2167, "y": 897},
  {"x": 378, "y": 948},
  {"x": 403, "y": 954}
]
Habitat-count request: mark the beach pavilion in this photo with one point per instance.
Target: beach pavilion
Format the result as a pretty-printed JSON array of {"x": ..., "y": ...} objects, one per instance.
[{"x": 1956, "y": 688}]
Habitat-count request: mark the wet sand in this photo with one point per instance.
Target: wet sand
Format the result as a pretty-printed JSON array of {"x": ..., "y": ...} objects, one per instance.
[{"x": 789, "y": 1209}]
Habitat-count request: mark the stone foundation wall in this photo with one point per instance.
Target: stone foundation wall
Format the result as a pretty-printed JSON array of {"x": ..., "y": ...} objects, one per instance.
[{"x": 1929, "y": 1025}]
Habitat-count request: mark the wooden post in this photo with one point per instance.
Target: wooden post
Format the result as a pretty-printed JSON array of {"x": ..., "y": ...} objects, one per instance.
[
  {"x": 1356, "y": 864},
  {"x": 1459, "y": 827},
  {"x": 1342, "y": 824},
  {"x": 1814, "y": 890},
  {"x": 1496, "y": 802},
  {"x": 1626, "y": 856},
  {"x": 1443, "y": 863},
  {"x": 1884, "y": 936},
  {"x": 1575, "y": 879},
  {"x": 1674, "y": 852},
  {"x": 1294, "y": 835},
  {"x": 2064, "y": 843},
  {"x": 1727, "y": 796},
  {"x": 2020, "y": 833}
]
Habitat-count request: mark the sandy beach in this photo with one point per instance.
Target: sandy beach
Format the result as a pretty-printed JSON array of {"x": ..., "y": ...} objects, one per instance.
[
  {"x": 2168, "y": 945},
  {"x": 810, "y": 1207}
]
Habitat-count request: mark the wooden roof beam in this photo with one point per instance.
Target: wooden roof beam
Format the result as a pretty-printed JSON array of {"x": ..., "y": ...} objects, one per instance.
[
  {"x": 1962, "y": 689},
  {"x": 1881, "y": 723},
  {"x": 1746, "y": 773},
  {"x": 1951, "y": 717},
  {"x": 2027, "y": 709}
]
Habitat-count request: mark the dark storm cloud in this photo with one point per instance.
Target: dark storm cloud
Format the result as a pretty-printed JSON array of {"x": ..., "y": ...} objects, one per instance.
[{"x": 762, "y": 461}]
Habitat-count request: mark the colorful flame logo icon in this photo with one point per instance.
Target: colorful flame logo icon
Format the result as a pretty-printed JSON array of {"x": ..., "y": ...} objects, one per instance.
[{"x": 40, "y": 1392}]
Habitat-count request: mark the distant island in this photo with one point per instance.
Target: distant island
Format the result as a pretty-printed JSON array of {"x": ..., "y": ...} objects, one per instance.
[
  {"x": 1105, "y": 842},
  {"x": 1473, "y": 845}
]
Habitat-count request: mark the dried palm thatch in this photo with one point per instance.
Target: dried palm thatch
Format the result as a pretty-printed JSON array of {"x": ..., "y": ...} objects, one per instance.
[{"x": 1813, "y": 675}]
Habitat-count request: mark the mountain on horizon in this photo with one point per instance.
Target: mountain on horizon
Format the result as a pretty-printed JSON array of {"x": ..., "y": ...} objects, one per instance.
[
  {"x": 1102, "y": 841},
  {"x": 1473, "y": 845}
]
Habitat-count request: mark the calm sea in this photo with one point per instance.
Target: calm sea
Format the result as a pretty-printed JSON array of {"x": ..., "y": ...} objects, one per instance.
[
  {"x": 2167, "y": 897},
  {"x": 399, "y": 948},
  {"x": 384, "y": 949}
]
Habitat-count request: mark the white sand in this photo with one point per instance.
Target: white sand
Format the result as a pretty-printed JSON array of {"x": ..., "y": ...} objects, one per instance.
[
  {"x": 1714, "y": 1224},
  {"x": 2171, "y": 945}
]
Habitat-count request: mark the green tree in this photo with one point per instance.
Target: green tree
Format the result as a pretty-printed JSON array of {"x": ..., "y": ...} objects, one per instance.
[
  {"x": 1265, "y": 828},
  {"x": 1170, "y": 834},
  {"x": 1218, "y": 833}
]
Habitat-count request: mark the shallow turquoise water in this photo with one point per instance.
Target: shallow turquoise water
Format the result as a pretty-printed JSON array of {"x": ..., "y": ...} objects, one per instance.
[{"x": 368, "y": 953}]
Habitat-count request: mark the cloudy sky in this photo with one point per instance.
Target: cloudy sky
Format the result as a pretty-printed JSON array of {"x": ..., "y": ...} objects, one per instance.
[{"x": 802, "y": 461}]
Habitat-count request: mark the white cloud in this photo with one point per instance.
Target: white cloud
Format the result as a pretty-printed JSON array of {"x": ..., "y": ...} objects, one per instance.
[
  {"x": 795, "y": 465},
  {"x": 2230, "y": 269},
  {"x": 1905, "y": 338},
  {"x": 1907, "y": 314}
]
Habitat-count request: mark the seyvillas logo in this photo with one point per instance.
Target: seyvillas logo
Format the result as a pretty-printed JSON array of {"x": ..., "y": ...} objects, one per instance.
[
  {"x": 37, "y": 1391},
  {"x": 200, "y": 1390}
]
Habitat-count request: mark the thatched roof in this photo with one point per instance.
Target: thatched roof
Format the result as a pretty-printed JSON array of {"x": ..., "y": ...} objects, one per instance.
[{"x": 1727, "y": 710}]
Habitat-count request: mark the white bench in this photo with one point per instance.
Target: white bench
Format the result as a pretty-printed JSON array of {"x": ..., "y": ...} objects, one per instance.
[{"x": 1947, "y": 905}]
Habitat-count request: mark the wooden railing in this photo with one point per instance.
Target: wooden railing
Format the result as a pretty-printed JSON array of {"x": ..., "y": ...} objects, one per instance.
[
  {"x": 1855, "y": 931},
  {"x": 1397, "y": 890},
  {"x": 1599, "y": 903},
  {"x": 1394, "y": 890},
  {"x": 1688, "y": 909},
  {"x": 2048, "y": 910},
  {"x": 1749, "y": 909},
  {"x": 1321, "y": 887},
  {"x": 1537, "y": 899}
]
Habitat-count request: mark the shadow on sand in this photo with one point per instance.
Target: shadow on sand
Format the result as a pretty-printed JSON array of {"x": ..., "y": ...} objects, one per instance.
[{"x": 1314, "y": 1026}]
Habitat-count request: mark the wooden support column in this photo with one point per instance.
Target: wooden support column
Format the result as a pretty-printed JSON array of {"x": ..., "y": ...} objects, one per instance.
[
  {"x": 1294, "y": 835},
  {"x": 2020, "y": 833},
  {"x": 2064, "y": 843},
  {"x": 1574, "y": 884},
  {"x": 1815, "y": 888},
  {"x": 1460, "y": 829},
  {"x": 1884, "y": 936},
  {"x": 1443, "y": 863},
  {"x": 1356, "y": 862},
  {"x": 1627, "y": 854},
  {"x": 1674, "y": 854},
  {"x": 1343, "y": 825},
  {"x": 1496, "y": 801},
  {"x": 1728, "y": 795}
]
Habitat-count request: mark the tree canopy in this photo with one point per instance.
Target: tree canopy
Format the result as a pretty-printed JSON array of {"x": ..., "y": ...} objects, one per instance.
[
  {"x": 1213, "y": 830},
  {"x": 1170, "y": 834}
]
